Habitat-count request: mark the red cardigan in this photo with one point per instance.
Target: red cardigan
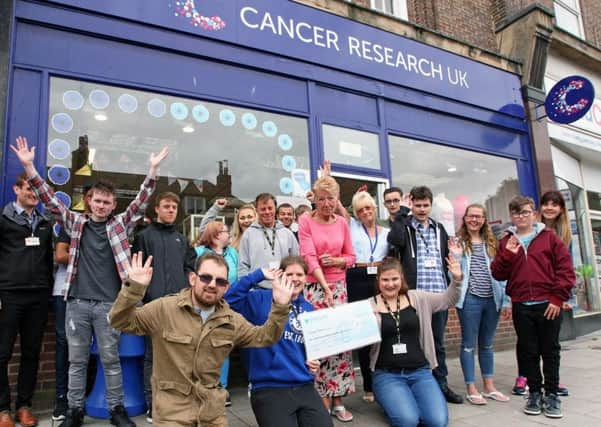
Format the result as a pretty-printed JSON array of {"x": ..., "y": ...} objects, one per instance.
[{"x": 543, "y": 272}]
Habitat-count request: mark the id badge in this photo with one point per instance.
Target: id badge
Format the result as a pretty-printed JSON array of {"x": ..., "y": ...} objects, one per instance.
[
  {"x": 32, "y": 241},
  {"x": 274, "y": 265},
  {"x": 372, "y": 270},
  {"x": 399, "y": 348},
  {"x": 430, "y": 263}
]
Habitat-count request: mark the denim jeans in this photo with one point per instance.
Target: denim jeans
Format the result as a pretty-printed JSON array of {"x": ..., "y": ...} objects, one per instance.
[
  {"x": 61, "y": 356},
  {"x": 439, "y": 325},
  {"x": 479, "y": 318},
  {"x": 83, "y": 317},
  {"x": 410, "y": 397}
]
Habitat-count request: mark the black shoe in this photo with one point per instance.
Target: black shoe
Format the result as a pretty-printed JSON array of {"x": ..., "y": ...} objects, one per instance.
[
  {"x": 60, "y": 409},
  {"x": 552, "y": 406},
  {"x": 228, "y": 400},
  {"x": 533, "y": 404},
  {"x": 451, "y": 396},
  {"x": 149, "y": 416},
  {"x": 562, "y": 390},
  {"x": 73, "y": 418},
  {"x": 120, "y": 418}
]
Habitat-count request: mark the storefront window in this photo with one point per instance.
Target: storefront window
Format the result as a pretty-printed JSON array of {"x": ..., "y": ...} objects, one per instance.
[
  {"x": 585, "y": 295},
  {"x": 216, "y": 150},
  {"x": 457, "y": 178},
  {"x": 351, "y": 147}
]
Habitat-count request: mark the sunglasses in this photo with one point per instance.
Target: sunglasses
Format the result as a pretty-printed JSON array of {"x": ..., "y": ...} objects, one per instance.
[{"x": 207, "y": 279}]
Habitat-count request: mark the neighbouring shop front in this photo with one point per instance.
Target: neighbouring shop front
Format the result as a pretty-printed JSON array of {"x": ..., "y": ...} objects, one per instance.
[{"x": 252, "y": 96}]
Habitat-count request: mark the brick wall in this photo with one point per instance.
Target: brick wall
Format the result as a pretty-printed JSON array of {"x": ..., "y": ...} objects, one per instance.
[{"x": 591, "y": 17}]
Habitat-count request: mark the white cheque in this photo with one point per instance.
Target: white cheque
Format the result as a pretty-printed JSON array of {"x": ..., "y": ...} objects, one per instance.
[{"x": 335, "y": 330}]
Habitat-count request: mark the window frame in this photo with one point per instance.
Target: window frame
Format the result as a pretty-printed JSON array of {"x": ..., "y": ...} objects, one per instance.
[
  {"x": 399, "y": 8},
  {"x": 574, "y": 11}
]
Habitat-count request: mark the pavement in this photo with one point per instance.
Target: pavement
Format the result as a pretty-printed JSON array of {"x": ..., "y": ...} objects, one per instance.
[{"x": 580, "y": 372}]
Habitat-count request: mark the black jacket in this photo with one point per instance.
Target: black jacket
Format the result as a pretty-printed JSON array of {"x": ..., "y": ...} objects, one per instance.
[
  {"x": 172, "y": 259},
  {"x": 24, "y": 267},
  {"x": 403, "y": 238}
]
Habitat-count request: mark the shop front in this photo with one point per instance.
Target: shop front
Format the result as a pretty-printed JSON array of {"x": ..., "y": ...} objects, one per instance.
[
  {"x": 252, "y": 96},
  {"x": 576, "y": 151}
]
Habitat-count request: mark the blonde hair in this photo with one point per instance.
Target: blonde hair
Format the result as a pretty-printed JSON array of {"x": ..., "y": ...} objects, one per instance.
[
  {"x": 488, "y": 237},
  {"x": 327, "y": 184},
  {"x": 362, "y": 197},
  {"x": 236, "y": 234}
]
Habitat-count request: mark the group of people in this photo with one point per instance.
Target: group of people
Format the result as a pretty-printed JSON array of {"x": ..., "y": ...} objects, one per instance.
[{"x": 247, "y": 289}]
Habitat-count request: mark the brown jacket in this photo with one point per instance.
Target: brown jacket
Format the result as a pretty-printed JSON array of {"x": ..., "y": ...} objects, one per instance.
[
  {"x": 188, "y": 353},
  {"x": 425, "y": 304}
]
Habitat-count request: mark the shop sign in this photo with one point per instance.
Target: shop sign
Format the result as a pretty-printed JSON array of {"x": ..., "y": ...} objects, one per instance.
[
  {"x": 287, "y": 28},
  {"x": 569, "y": 99}
]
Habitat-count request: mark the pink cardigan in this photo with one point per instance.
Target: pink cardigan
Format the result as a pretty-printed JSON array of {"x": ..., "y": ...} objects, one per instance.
[{"x": 316, "y": 239}]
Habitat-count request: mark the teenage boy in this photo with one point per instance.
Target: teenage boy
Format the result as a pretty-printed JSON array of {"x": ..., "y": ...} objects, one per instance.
[
  {"x": 266, "y": 241},
  {"x": 173, "y": 260},
  {"x": 540, "y": 275},
  {"x": 394, "y": 202},
  {"x": 285, "y": 214},
  {"x": 25, "y": 281},
  {"x": 98, "y": 255},
  {"x": 422, "y": 246}
]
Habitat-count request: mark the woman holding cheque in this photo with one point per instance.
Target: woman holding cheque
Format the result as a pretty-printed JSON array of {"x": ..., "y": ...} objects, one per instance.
[
  {"x": 283, "y": 392},
  {"x": 402, "y": 362}
]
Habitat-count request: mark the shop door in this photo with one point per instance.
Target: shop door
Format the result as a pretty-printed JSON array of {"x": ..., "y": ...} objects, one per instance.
[
  {"x": 349, "y": 185},
  {"x": 596, "y": 228}
]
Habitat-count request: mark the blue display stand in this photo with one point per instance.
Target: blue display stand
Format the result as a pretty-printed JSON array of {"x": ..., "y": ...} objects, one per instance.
[{"x": 131, "y": 352}]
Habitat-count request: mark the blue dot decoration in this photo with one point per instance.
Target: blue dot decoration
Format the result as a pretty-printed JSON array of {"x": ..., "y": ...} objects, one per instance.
[
  {"x": 179, "y": 110},
  {"x": 156, "y": 108},
  {"x": 286, "y": 185},
  {"x": 249, "y": 121},
  {"x": 200, "y": 113},
  {"x": 288, "y": 163},
  {"x": 56, "y": 229},
  {"x": 127, "y": 103},
  {"x": 59, "y": 149},
  {"x": 285, "y": 142},
  {"x": 99, "y": 99},
  {"x": 269, "y": 128},
  {"x": 73, "y": 100},
  {"x": 62, "y": 123},
  {"x": 64, "y": 198},
  {"x": 227, "y": 117},
  {"x": 59, "y": 175}
]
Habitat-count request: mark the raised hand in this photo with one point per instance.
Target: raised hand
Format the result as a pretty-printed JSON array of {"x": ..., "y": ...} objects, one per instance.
[
  {"x": 271, "y": 273},
  {"x": 455, "y": 248},
  {"x": 454, "y": 268},
  {"x": 326, "y": 168},
  {"x": 156, "y": 159},
  {"x": 282, "y": 288},
  {"x": 407, "y": 200},
  {"x": 513, "y": 245},
  {"x": 25, "y": 154},
  {"x": 138, "y": 272}
]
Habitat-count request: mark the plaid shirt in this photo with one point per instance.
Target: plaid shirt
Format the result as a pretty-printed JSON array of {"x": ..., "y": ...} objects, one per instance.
[
  {"x": 117, "y": 227},
  {"x": 429, "y": 279}
]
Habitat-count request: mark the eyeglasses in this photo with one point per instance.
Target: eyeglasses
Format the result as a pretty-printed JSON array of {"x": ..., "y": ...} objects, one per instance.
[
  {"x": 522, "y": 214},
  {"x": 474, "y": 217},
  {"x": 392, "y": 201},
  {"x": 207, "y": 279}
]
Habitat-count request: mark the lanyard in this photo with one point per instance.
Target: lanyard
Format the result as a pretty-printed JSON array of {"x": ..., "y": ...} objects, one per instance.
[
  {"x": 272, "y": 241},
  {"x": 371, "y": 248},
  {"x": 421, "y": 234},
  {"x": 396, "y": 315}
]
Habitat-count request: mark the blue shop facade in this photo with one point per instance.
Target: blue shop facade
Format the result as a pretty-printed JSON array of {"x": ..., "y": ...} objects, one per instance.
[{"x": 252, "y": 96}]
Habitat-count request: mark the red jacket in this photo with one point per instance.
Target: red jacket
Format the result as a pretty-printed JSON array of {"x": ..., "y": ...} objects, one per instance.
[{"x": 542, "y": 272}]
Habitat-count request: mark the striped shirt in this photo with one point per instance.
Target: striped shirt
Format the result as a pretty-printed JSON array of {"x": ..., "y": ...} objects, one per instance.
[{"x": 480, "y": 283}]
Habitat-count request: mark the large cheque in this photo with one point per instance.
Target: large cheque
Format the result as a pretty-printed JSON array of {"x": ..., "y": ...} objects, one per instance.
[{"x": 335, "y": 330}]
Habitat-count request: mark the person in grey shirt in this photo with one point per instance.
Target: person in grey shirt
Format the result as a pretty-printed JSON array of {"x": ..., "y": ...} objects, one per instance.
[{"x": 266, "y": 241}]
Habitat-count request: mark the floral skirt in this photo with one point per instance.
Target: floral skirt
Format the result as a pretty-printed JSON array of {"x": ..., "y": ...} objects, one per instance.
[{"x": 336, "y": 376}]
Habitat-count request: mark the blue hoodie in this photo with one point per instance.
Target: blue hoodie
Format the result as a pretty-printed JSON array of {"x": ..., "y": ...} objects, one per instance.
[{"x": 283, "y": 364}]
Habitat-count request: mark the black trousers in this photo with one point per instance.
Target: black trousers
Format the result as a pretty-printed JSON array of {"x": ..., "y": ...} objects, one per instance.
[
  {"x": 538, "y": 338},
  {"x": 360, "y": 286},
  {"x": 289, "y": 407},
  {"x": 24, "y": 313}
]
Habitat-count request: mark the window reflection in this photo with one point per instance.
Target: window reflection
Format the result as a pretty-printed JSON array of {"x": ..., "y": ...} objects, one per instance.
[
  {"x": 457, "y": 178},
  {"x": 216, "y": 150}
]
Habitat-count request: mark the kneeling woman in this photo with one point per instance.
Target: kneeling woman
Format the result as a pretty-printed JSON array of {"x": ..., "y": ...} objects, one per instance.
[
  {"x": 402, "y": 363},
  {"x": 282, "y": 380}
]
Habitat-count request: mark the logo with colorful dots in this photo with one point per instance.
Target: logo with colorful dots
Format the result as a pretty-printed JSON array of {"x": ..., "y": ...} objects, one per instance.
[
  {"x": 570, "y": 99},
  {"x": 186, "y": 9}
]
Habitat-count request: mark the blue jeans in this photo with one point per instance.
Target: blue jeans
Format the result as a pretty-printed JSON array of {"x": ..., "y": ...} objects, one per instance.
[
  {"x": 410, "y": 397},
  {"x": 83, "y": 317},
  {"x": 61, "y": 356},
  {"x": 479, "y": 318}
]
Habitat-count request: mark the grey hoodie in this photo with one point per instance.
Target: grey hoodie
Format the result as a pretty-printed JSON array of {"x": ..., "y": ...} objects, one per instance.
[{"x": 255, "y": 250}]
